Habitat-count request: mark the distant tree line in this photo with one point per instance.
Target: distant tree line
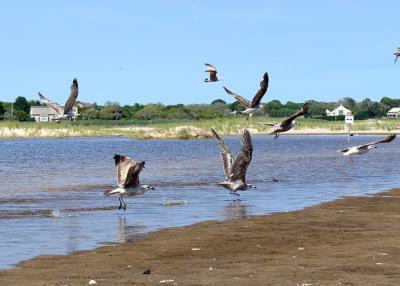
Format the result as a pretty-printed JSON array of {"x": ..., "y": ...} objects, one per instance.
[{"x": 19, "y": 110}]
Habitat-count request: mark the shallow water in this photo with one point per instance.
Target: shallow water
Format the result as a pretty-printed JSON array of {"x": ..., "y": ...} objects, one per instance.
[{"x": 51, "y": 190}]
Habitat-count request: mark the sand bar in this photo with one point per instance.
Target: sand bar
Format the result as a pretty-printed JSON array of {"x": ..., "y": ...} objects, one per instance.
[{"x": 350, "y": 241}]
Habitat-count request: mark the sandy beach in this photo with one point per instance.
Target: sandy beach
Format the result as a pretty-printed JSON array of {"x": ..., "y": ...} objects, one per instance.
[
  {"x": 350, "y": 241},
  {"x": 179, "y": 132}
]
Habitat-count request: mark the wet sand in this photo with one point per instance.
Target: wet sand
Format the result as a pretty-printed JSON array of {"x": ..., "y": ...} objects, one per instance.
[{"x": 350, "y": 241}]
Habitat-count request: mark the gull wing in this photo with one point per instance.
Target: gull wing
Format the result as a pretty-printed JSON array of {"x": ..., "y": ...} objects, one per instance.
[
  {"x": 260, "y": 93},
  {"x": 344, "y": 150},
  {"x": 243, "y": 159},
  {"x": 242, "y": 100},
  {"x": 211, "y": 68},
  {"x": 225, "y": 153},
  {"x": 127, "y": 171},
  {"x": 301, "y": 112},
  {"x": 50, "y": 104},
  {"x": 69, "y": 104},
  {"x": 388, "y": 139}
]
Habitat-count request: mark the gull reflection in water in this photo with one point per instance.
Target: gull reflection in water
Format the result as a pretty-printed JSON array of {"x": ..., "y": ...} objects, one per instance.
[
  {"x": 126, "y": 232},
  {"x": 235, "y": 210}
]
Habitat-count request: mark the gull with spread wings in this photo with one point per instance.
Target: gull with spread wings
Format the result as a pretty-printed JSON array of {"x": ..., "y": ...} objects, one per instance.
[
  {"x": 396, "y": 54},
  {"x": 212, "y": 73},
  {"x": 129, "y": 185},
  {"x": 235, "y": 168},
  {"x": 255, "y": 104},
  {"x": 362, "y": 149},
  {"x": 67, "y": 112},
  {"x": 286, "y": 124}
]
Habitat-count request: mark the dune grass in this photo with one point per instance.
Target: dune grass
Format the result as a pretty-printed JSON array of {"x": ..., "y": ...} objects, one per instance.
[{"x": 183, "y": 129}]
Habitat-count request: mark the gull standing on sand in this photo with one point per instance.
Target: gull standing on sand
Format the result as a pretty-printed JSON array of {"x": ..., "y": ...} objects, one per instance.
[
  {"x": 128, "y": 179},
  {"x": 286, "y": 124},
  {"x": 213, "y": 73},
  {"x": 362, "y": 149},
  {"x": 397, "y": 55},
  {"x": 235, "y": 168},
  {"x": 254, "y": 105},
  {"x": 66, "y": 113}
]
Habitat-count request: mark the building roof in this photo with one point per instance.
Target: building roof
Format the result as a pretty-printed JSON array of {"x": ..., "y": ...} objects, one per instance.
[
  {"x": 42, "y": 110},
  {"x": 336, "y": 110},
  {"x": 341, "y": 107},
  {"x": 394, "y": 110}
]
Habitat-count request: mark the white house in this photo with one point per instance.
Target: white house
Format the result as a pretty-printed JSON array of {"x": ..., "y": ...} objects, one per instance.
[
  {"x": 45, "y": 114},
  {"x": 340, "y": 110},
  {"x": 393, "y": 113}
]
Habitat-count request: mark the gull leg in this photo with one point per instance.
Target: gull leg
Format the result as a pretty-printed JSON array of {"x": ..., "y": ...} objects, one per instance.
[
  {"x": 120, "y": 203},
  {"x": 124, "y": 204},
  {"x": 276, "y": 135},
  {"x": 235, "y": 194},
  {"x": 351, "y": 160}
]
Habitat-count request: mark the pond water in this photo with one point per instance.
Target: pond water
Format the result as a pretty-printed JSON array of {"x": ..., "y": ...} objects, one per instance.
[{"x": 52, "y": 201}]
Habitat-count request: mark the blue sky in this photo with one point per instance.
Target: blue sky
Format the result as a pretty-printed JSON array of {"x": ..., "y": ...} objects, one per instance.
[{"x": 154, "y": 51}]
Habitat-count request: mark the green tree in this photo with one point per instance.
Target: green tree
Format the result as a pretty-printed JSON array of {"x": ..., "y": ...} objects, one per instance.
[
  {"x": 22, "y": 115},
  {"x": 111, "y": 112},
  {"x": 348, "y": 102},
  {"x": 151, "y": 111},
  {"x": 21, "y": 104},
  {"x": 90, "y": 113},
  {"x": 273, "y": 104},
  {"x": 236, "y": 106},
  {"x": 2, "y": 110},
  {"x": 218, "y": 101}
]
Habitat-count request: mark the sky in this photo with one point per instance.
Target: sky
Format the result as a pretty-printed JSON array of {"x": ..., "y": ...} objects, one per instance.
[{"x": 154, "y": 51}]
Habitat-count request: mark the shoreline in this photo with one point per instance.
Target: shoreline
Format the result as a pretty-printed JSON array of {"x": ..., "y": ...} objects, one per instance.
[
  {"x": 180, "y": 132},
  {"x": 348, "y": 241}
]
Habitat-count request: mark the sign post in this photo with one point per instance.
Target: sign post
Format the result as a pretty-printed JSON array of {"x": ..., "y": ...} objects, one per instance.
[{"x": 349, "y": 120}]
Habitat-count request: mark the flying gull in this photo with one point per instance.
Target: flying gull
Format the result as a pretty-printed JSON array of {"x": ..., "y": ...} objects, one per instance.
[
  {"x": 213, "y": 73},
  {"x": 254, "y": 105},
  {"x": 65, "y": 113},
  {"x": 235, "y": 168},
  {"x": 397, "y": 55},
  {"x": 128, "y": 179},
  {"x": 362, "y": 149},
  {"x": 286, "y": 124}
]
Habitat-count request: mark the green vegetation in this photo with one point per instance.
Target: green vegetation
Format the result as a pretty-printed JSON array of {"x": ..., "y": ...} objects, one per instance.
[
  {"x": 366, "y": 109},
  {"x": 157, "y": 120},
  {"x": 182, "y": 129}
]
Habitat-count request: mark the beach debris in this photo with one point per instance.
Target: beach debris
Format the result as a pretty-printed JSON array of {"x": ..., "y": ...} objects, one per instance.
[
  {"x": 166, "y": 281},
  {"x": 210, "y": 268},
  {"x": 304, "y": 284},
  {"x": 300, "y": 248},
  {"x": 92, "y": 282},
  {"x": 382, "y": 253},
  {"x": 129, "y": 266},
  {"x": 379, "y": 263},
  {"x": 147, "y": 271},
  {"x": 174, "y": 203},
  {"x": 195, "y": 248}
]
